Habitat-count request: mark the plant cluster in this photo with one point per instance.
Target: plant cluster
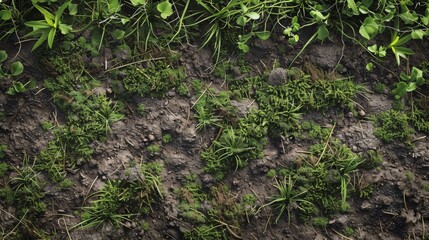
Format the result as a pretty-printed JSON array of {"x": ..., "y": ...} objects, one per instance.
[
  {"x": 119, "y": 201},
  {"x": 156, "y": 79},
  {"x": 216, "y": 214},
  {"x": 393, "y": 125},
  {"x": 319, "y": 185}
]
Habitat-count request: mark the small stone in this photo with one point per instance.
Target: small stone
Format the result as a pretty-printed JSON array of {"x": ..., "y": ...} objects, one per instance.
[
  {"x": 171, "y": 93},
  {"x": 277, "y": 77},
  {"x": 151, "y": 137},
  {"x": 362, "y": 113}
]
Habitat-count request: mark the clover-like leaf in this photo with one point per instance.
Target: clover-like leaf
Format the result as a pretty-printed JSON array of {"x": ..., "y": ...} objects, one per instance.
[
  {"x": 3, "y": 56},
  {"x": 138, "y": 2},
  {"x": 263, "y": 35},
  {"x": 253, "y": 15},
  {"x": 165, "y": 8},
  {"x": 5, "y": 15},
  {"x": 369, "y": 28},
  {"x": 16, "y": 68},
  {"x": 118, "y": 34}
]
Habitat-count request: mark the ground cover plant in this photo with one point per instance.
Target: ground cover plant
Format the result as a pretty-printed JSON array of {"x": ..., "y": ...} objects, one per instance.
[{"x": 190, "y": 119}]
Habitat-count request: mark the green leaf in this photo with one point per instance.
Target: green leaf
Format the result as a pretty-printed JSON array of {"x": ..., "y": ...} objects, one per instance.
[
  {"x": 409, "y": 17},
  {"x": 369, "y": 66},
  {"x": 263, "y": 35},
  {"x": 373, "y": 49},
  {"x": 243, "y": 7},
  {"x": 65, "y": 28},
  {"x": 5, "y": 15},
  {"x": 253, "y": 15},
  {"x": 318, "y": 16},
  {"x": 165, "y": 8},
  {"x": 417, "y": 75},
  {"x": 243, "y": 47},
  {"x": 118, "y": 34},
  {"x": 114, "y": 6},
  {"x": 48, "y": 16},
  {"x": 72, "y": 9},
  {"x": 417, "y": 34},
  {"x": 16, "y": 68},
  {"x": 18, "y": 87},
  {"x": 401, "y": 52},
  {"x": 39, "y": 42},
  {"x": 2, "y": 74},
  {"x": 138, "y": 2},
  {"x": 369, "y": 28},
  {"x": 10, "y": 91},
  {"x": 241, "y": 21},
  {"x": 411, "y": 87},
  {"x": 322, "y": 33},
  {"x": 59, "y": 13},
  {"x": 352, "y": 5},
  {"x": 3, "y": 56},
  {"x": 36, "y": 25},
  {"x": 400, "y": 90},
  {"x": 51, "y": 37}
]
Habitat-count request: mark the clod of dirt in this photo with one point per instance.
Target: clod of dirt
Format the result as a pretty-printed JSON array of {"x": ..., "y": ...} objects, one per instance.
[
  {"x": 277, "y": 77},
  {"x": 324, "y": 56},
  {"x": 244, "y": 106},
  {"x": 410, "y": 215}
]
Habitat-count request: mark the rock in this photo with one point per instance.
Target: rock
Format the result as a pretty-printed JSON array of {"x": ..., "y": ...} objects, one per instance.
[
  {"x": 277, "y": 77},
  {"x": 324, "y": 56},
  {"x": 244, "y": 106}
]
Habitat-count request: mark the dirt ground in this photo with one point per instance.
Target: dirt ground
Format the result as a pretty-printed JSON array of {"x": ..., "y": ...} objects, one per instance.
[{"x": 397, "y": 209}]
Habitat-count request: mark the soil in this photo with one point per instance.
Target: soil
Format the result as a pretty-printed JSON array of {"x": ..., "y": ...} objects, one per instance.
[{"x": 397, "y": 209}]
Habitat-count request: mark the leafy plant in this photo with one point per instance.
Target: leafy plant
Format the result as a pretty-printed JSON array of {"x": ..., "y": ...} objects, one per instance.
[
  {"x": 409, "y": 83},
  {"x": 46, "y": 29},
  {"x": 118, "y": 201},
  {"x": 16, "y": 68},
  {"x": 288, "y": 197}
]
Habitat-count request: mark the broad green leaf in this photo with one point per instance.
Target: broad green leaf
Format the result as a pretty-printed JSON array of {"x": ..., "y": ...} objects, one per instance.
[
  {"x": 263, "y": 35},
  {"x": 352, "y": 5},
  {"x": 3, "y": 56},
  {"x": 369, "y": 28},
  {"x": 411, "y": 87},
  {"x": 417, "y": 34},
  {"x": 18, "y": 87},
  {"x": 16, "y": 68},
  {"x": 5, "y": 15},
  {"x": 409, "y": 17},
  {"x": 322, "y": 33},
  {"x": 425, "y": 20},
  {"x": 124, "y": 20},
  {"x": 118, "y": 34},
  {"x": 373, "y": 49},
  {"x": 241, "y": 21},
  {"x": 2, "y": 74},
  {"x": 417, "y": 75},
  {"x": 243, "y": 47},
  {"x": 255, "y": 2},
  {"x": 10, "y": 91},
  {"x": 72, "y": 9},
  {"x": 65, "y": 28},
  {"x": 253, "y": 15},
  {"x": 138, "y": 2},
  {"x": 165, "y": 8},
  {"x": 244, "y": 9},
  {"x": 114, "y": 6},
  {"x": 287, "y": 31},
  {"x": 318, "y": 16},
  {"x": 293, "y": 40},
  {"x": 369, "y": 66},
  {"x": 400, "y": 90}
]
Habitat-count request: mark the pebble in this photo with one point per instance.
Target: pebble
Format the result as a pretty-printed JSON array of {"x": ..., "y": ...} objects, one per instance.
[{"x": 362, "y": 113}]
